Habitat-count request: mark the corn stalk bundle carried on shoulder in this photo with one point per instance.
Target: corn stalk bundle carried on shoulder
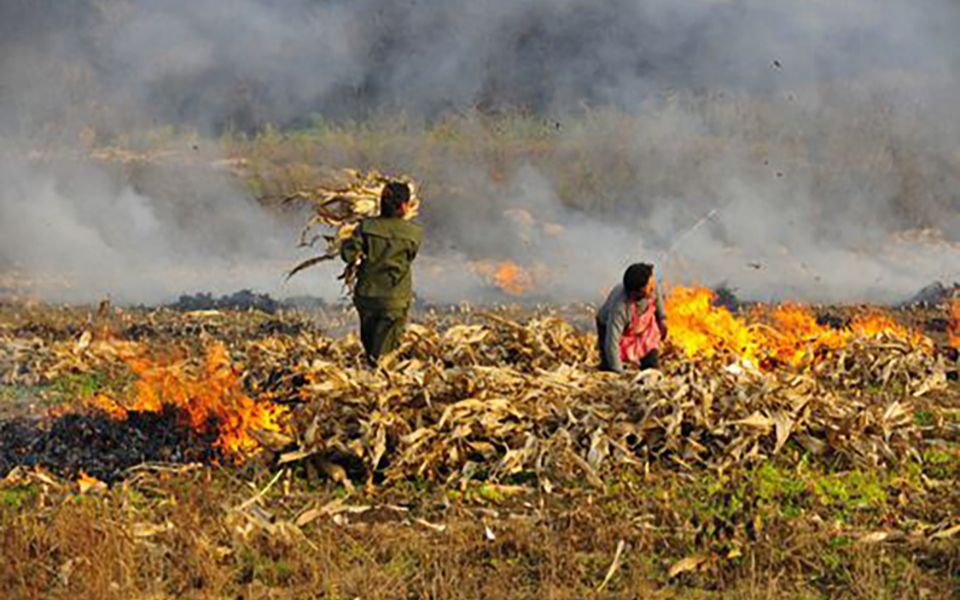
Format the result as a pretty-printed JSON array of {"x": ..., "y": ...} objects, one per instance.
[{"x": 341, "y": 205}]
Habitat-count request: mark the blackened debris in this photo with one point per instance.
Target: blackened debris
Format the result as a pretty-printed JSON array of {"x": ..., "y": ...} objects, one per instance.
[
  {"x": 139, "y": 332},
  {"x": 101, "y": 446},
  {"x": 46, "y": 331},
  {"x": 242, "y": 300},
  {"x": 933, "y": 295},
  {"x": 726, "y": 298},
  {"x": 280, "y": 328},
  {"x": 833, "y": 320}
]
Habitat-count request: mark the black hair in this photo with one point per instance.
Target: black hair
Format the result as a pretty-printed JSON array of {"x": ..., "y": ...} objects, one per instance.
[
  {"x": 636, "y": 276},
  {"x": 394, "y": 195}
]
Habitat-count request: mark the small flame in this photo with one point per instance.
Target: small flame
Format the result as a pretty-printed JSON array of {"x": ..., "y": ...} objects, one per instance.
[
  {"x": 795, "y": 336},
  {"x": 212, "y": 397},
  {"x": 874, "y": 323},
  {"x": 512, "y": 279},
  {"x": 506, "y": 275},
  {"x": 953, "y": 329},
  {"x": 89, "y": 483}
]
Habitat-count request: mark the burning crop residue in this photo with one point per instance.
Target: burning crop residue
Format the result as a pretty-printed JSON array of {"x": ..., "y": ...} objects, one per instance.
[
  {"x": 793, "y": 334},
  {"x": 700, "y": 329},
  {"x": 953, "y": 327},
  {"x": 786, "y": 334},
  {"x": 212, "y": 399},
  {"x": 176, "y": 412}
]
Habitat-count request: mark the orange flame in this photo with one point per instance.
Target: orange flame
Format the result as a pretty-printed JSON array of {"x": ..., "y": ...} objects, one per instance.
[
  {"x": 953, "y": 328},
  {"x": 700, "y": 329},
  {"x": 788, "y": 334},
  {"x": 794, "y": 336},
  {"x": 512, "y": 279},
  {"x": 212, "y": 397},
  {"x": 88, "y": 483},
  {"x": 506, "y": 275},
  {"x": 874, "y": 323}
]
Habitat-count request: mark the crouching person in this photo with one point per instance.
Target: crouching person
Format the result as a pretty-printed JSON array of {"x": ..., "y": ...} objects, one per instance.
[
  {"x": 632, "y": 323},
  {"x": 386, "y": 247}
]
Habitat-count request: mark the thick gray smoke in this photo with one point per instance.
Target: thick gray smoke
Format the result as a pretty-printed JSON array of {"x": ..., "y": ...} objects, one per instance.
[
  {"x": 784, "y": 147},
  {"x": 249, "y": 62}
]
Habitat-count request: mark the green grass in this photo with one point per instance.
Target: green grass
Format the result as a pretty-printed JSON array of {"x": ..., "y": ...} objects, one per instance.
[
  {"x": 65, "y": 389},
  {"x": 851, "y": 491},
  {"x": 924, "y": 418}
]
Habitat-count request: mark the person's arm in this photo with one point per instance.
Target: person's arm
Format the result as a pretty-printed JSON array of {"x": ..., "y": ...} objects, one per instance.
[
  {"x": 661, "y": 315},
  {"x": 616, "y": 325},
  {"x": 352, "y": 247},
  {"x": 416, "y": 248}
]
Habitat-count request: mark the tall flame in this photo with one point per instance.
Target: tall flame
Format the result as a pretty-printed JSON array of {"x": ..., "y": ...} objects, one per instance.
[
  {"x": 699, "y": 328},
  {"x": 788, "y": 334},
  {"x": 211, "y": 398}
]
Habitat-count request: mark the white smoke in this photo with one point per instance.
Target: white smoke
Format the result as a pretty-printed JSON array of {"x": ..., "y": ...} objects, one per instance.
[{"x": 85, "y": 234}]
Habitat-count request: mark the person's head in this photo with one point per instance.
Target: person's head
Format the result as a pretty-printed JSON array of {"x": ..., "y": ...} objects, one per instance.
[
  {"x": 638, "y": 279},
  {"x": 394, "y": 199}
]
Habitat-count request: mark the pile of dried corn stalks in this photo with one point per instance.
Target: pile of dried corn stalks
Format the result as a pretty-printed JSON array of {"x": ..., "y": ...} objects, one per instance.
[
  {"x": 501, "y": 400},
  {"x": 340, "y": 205}
]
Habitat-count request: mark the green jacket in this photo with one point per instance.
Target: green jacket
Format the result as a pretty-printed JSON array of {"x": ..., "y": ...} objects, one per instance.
[{"x": 388, "y": 247}]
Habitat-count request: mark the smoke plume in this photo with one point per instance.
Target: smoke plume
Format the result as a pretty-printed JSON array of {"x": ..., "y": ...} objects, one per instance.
[{"x": 801, "y": 149}]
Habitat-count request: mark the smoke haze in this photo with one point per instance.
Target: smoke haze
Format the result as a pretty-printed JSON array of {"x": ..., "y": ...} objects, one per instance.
[{"x": 789, "y": 149}]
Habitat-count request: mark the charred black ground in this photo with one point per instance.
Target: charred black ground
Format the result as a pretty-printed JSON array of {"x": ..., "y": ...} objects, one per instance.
[{"x": 101, "y": 446}]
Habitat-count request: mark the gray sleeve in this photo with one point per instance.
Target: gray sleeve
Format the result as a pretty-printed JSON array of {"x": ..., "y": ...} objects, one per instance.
[
  {"x": 616, "y": 324},
  {"x": 661, "y": 314}
]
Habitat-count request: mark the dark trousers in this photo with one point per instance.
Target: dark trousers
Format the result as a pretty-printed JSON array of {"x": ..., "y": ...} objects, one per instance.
[
  {"x": 380, "y": 331},
  {"x": 651, "y": 360}
]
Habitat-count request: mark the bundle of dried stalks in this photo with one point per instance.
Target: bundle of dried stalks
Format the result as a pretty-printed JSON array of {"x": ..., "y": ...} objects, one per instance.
[{"x": 341, "y": 205}]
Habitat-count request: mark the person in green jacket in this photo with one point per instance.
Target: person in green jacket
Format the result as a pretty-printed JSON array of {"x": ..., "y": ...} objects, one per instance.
[{"x": 386, "y": 247}]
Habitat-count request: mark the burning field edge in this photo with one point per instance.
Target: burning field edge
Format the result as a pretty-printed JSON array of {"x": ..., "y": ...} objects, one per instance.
[{"x": 778, "y": 453}]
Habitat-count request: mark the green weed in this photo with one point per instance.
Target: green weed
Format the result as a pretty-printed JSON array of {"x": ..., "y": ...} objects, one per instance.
[
  {"x": 17, "y": 497},
  {"x": 77, "y": 386},
  {"x": 941, "y": 464},
  {"x": 850, "y": 491},
  {"x": 924, "y": 418}
]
